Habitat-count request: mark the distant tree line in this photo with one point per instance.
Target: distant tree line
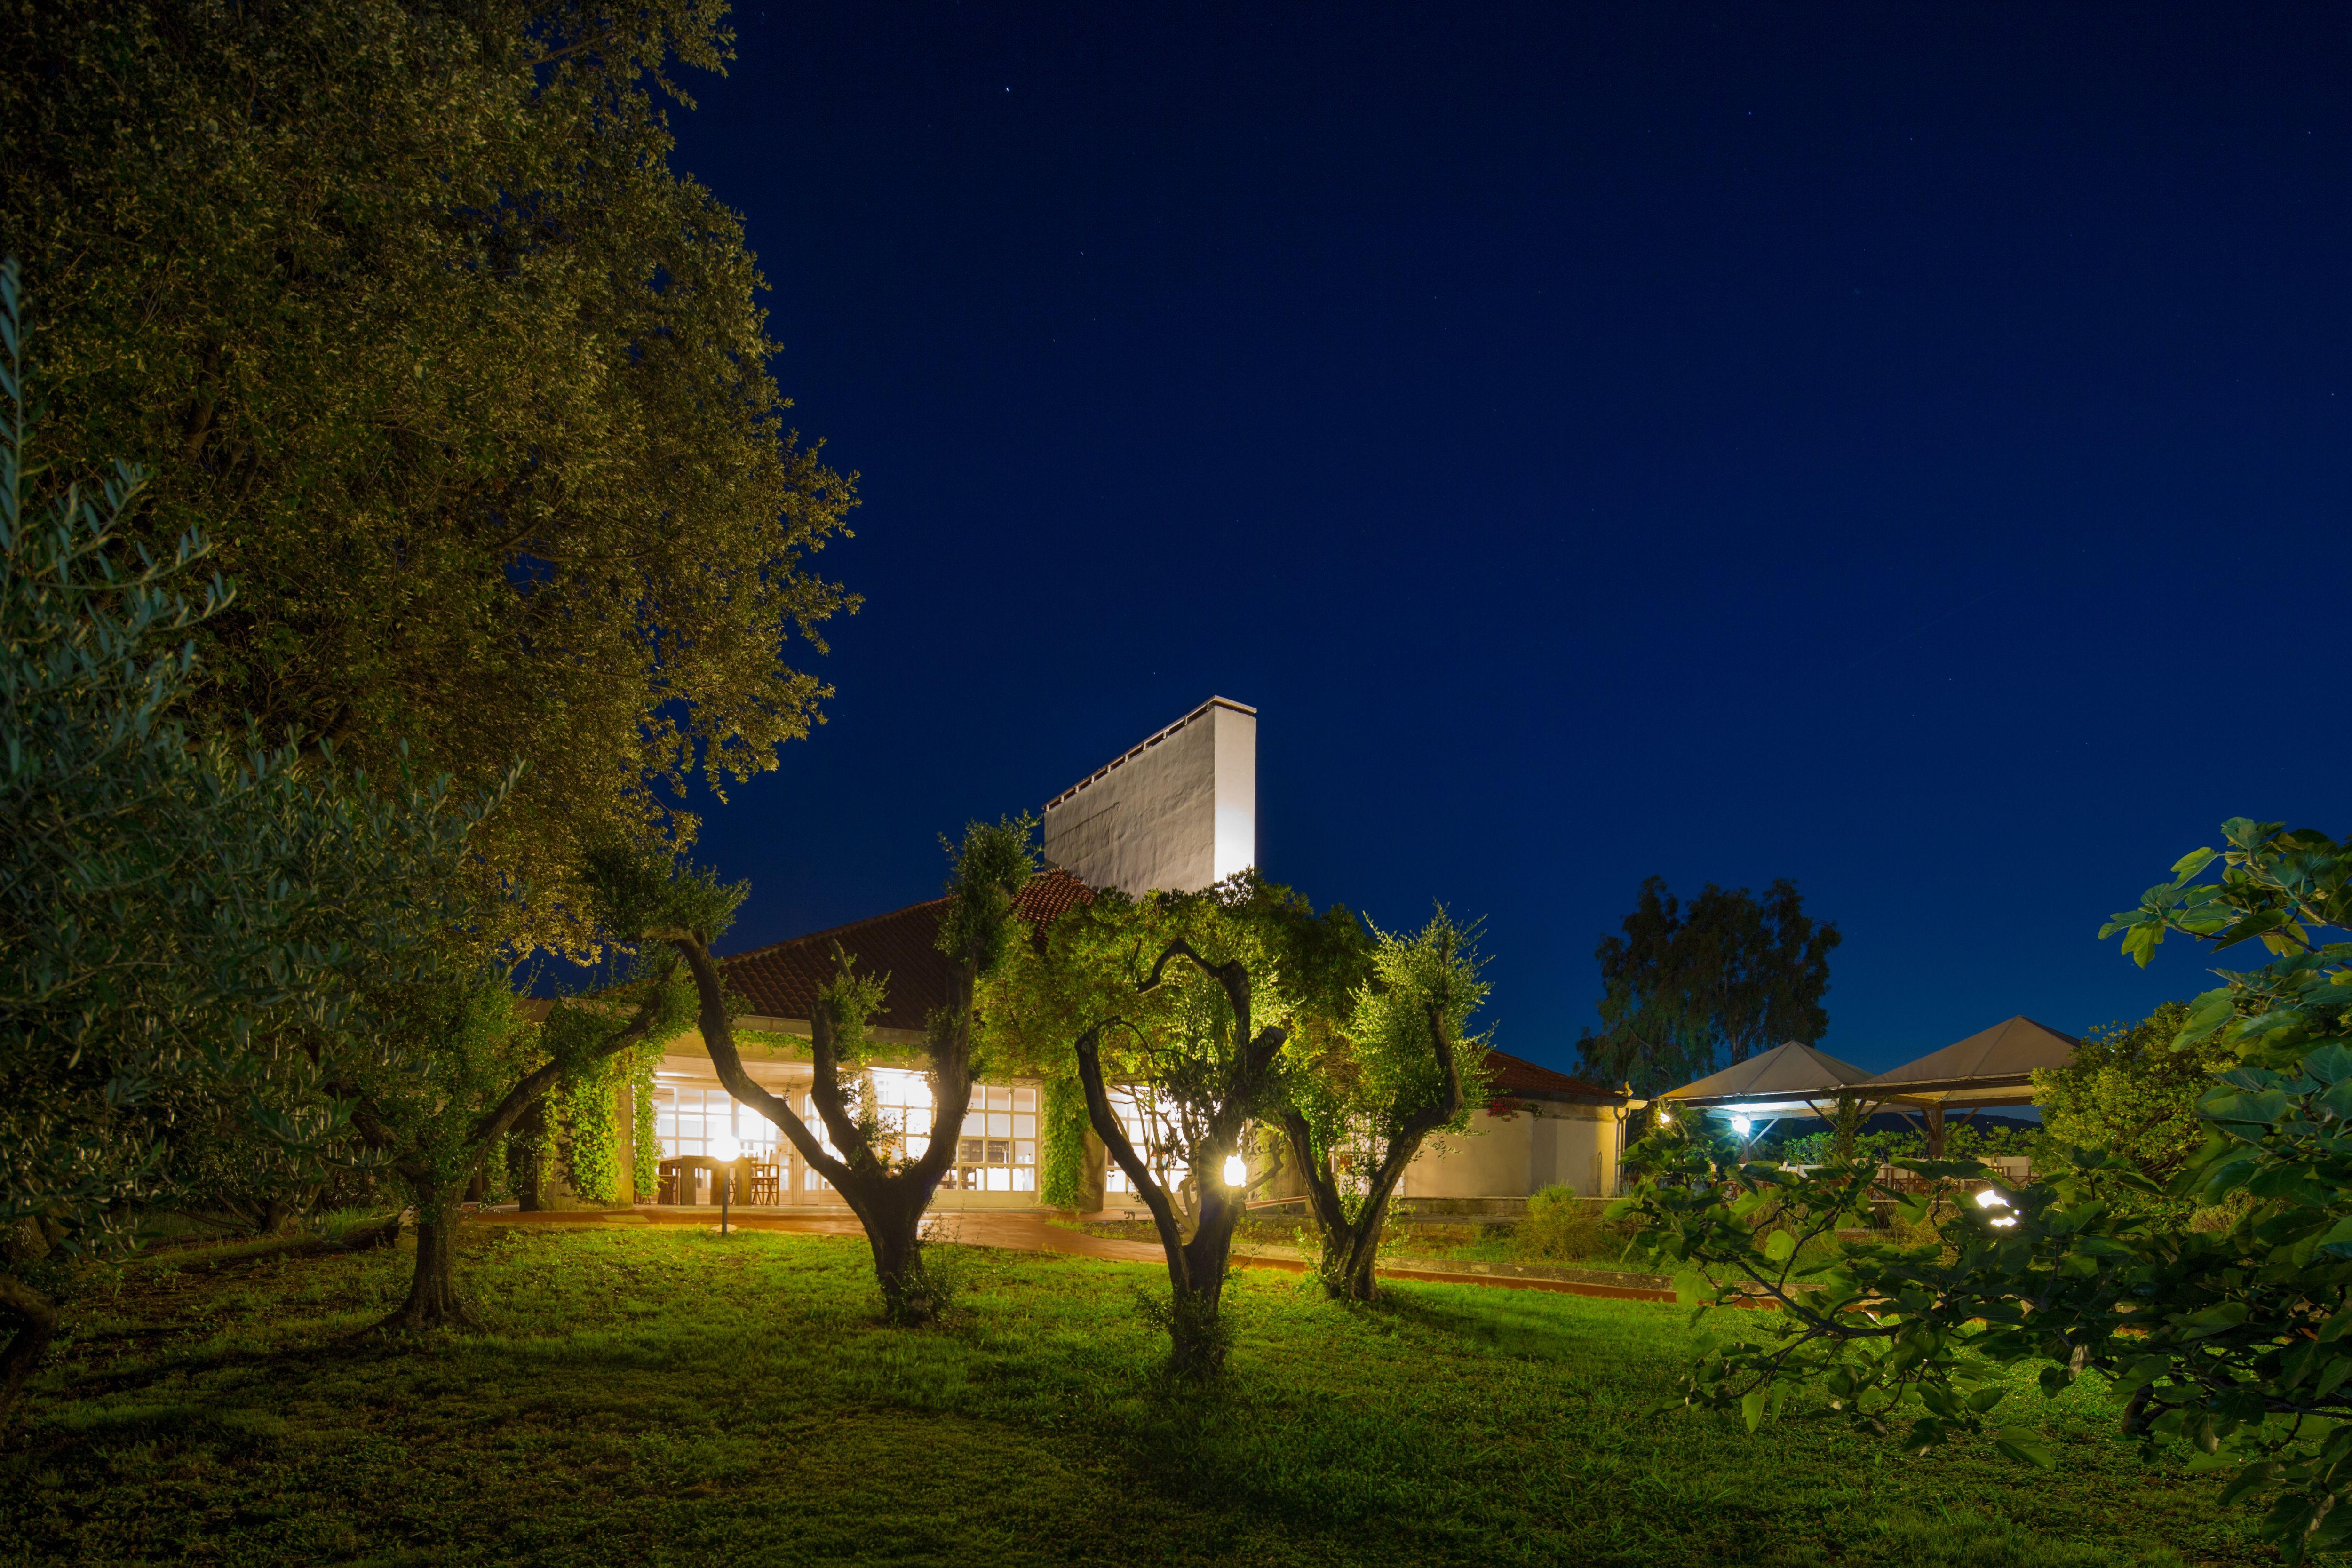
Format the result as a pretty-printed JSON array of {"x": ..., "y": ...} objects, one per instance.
[{"x": 1688, "y": 989}]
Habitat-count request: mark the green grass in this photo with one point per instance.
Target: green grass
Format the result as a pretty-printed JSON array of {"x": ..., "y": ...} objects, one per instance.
[{"x": 670, "y": 1397}]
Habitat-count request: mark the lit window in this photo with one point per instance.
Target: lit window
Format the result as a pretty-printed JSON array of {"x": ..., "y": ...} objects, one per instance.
[
  {"x": 1152, "y": 1134},
  {"x": 996, "y": 1149},
  {"x": 688, "y": 1117}
]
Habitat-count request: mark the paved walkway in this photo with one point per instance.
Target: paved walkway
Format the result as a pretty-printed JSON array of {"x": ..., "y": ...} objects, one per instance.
[{"x": 1030, "y": 1232}]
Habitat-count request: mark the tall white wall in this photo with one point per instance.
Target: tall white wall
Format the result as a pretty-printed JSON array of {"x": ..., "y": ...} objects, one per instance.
[{"x": 1175, "y": 812}]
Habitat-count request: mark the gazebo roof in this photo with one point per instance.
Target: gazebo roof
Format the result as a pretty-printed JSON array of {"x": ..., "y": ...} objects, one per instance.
[
  {"x": 1783, "y": 1078},
  {"x": 1998, "y": 1061}
]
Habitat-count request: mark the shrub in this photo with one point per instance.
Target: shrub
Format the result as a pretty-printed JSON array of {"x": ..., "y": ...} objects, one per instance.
[{"x": 1561, "y": 1226}]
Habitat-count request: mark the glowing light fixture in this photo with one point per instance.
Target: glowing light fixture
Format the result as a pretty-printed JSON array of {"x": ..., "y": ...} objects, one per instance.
[
  {"x": 1740, "y": 1124},
  {"x": 1665, "y": 1119},
  {"x": 1989, "y": 1199},
  {"x": 725, "y": 1150},
  {"x": 1236, "y": 1172}
]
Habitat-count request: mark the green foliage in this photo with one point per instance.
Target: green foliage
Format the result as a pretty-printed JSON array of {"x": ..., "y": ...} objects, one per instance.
[
  {"x": 2229, "y": 1340},
  {"x": 589, "y": 1116},
  {"x": 403, "y": 304},
  {"x": 189, "y": 933},
  {"x": 1562, "y": 1227},
  {"x": 645, "y": 1144},
  {"x": 1062, "y": 1145},
  {"x": 2130, "y": 1091},
  {"x": 992, "y": 866},
  {"x": 1685, "y": 989},
  {"x": 1375, "y": 1082},
  {"x": 1962, "y": 1140}
]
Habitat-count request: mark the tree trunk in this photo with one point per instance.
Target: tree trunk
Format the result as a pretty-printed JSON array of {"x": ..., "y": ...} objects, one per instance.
[
  {"x": 36, "y": 1319},
  {"x": 892, "y": 1211},
  {"x": 433, "y": 1299},
  {"x": 1352, "y": 1248}
]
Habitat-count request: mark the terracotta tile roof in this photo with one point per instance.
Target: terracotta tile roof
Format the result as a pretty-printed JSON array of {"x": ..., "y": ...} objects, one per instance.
[
  {"x": 780, "y": 981},
  {"x": 1513, "y": 1075}
]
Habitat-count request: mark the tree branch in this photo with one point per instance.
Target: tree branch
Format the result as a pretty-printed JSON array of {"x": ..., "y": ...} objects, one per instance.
[{"x": 719, "y": 1038}]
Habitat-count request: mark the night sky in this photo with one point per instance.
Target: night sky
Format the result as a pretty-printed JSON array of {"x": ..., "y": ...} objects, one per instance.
[{"x": 1900, "y": 450}]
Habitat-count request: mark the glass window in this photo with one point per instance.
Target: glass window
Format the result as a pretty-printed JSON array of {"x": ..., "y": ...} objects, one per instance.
[
  {"x": 997, "y": 1151},
  {"x": 1153, "y": 1136},
  {"x": 689, "y": 1117}
]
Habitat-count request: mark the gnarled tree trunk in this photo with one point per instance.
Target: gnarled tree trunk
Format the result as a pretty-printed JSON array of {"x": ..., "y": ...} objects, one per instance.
[
  {"x": 888, "y": 1202},
  {"x": 1198, "y": 1332},
  {"x": 34, "y": 1318},
  {"x": 433, "y": 1299},
  {"x": 1351, "y": 1246}
]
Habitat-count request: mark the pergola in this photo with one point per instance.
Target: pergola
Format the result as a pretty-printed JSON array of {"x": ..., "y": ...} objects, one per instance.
[
  {"x": 1992, "y": 1067},
  {"x": 1790, "y": 1079}
]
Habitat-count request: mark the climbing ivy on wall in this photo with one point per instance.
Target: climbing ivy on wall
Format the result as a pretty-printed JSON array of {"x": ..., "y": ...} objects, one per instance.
[
  {"x": 1062, "y": 1159},
  {"x": 498, "y": 1182},
  {"x": 645, "y": 1144},
  {"x": 591, "y": 1136}
]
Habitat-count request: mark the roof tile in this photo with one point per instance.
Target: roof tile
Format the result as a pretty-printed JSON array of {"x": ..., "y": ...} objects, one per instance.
[{"x": 782, "y": 980}]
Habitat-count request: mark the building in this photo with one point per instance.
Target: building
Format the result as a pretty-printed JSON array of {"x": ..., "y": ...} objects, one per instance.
[{"x": 1176, "y": 811}]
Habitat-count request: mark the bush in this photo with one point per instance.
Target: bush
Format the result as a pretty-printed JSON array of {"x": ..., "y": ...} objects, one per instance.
[{"x": 1561, "y": 1226}]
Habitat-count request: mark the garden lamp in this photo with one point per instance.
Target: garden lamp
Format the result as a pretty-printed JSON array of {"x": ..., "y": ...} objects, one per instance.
[
  {"x": 1237, "y": 1170},
  {"x": 725, "y": 1150}
]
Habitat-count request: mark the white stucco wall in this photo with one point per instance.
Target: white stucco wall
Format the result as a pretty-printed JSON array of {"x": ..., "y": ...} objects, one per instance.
[
  {"x": 1512, "y": 1156},
  {"x": 1175, "y": 812}
]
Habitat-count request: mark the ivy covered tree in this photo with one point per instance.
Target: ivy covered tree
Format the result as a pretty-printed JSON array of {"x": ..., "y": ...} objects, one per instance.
[
  {"x": 402, "y": 303},
  {"x": 1361, "y": 1101},
  {"x": 2235, "y": 1340}
]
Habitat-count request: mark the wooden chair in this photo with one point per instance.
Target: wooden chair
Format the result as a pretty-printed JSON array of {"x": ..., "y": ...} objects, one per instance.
[{"x": 767, "y": 1185}]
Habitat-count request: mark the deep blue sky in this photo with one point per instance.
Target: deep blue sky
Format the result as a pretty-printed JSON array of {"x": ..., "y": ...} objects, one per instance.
[{"x": 1899, "y": 449}]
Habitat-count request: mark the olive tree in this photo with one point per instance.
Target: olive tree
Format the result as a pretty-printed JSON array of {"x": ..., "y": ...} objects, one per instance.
[
  {"x": 402, "y": 303},
  {"x": 886, "y": 1173},
  {"x": 1403, "y": 1069},
  {"x": 1172, "y": 1007},
  {"x": 471, "y": 1068},
  {"x": 183, "y": 923}
]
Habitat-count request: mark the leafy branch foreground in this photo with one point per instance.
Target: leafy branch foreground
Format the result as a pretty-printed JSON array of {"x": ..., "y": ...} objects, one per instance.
[
  {"x": 647, "y": 1394},
  {"x": 2232, "y": 1341}
]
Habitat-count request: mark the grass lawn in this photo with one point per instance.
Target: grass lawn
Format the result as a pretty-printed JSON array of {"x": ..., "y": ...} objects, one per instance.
[{"x": 667, "y": 1396}]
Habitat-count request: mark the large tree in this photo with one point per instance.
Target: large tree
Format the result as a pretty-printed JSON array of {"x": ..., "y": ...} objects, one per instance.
[
  {"x": 1174, "y": 1009},
  {"x": 1687, "y": 988},
  {"x": 185, "y": 926},
  {"x": 402, "y": 301}
]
